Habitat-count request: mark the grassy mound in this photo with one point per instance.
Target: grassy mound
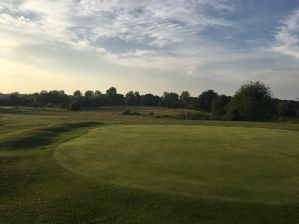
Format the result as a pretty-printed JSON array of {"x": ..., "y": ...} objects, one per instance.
[{"x": 226, "y": 163}]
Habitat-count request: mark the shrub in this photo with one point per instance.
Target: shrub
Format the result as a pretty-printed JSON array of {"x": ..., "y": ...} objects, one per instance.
[
  {"x": 75, "y": 106},
  {"x": 50, "y": 105},
  {"x": 286, "y": 109},
  {"x": 233, "y": 114},
  {"x": 126, "y": 112},
  {"x": 134, "y": 113},
  {"x": 151, "y": 113},
  {"x": 193, "y": 115},
  {"x": 175, "y": 105},
  {"x": 61, "y": 105}
]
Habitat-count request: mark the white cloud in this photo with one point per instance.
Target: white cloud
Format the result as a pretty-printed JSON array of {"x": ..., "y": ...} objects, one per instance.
[
  {"x": 83, "y": 24},
  {"x": 287, "y": 41}
]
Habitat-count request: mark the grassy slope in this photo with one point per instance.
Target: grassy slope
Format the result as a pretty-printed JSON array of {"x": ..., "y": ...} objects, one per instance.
[{"x": 33, "y": 188}]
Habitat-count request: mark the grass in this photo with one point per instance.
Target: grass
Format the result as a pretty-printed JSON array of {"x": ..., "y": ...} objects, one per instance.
[
  {"x": 244, "y": 164},
  {"x": 34, "y": 188}
]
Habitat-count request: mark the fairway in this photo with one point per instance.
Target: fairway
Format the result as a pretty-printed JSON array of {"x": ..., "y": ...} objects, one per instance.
[{"x": 213, "y": 162}]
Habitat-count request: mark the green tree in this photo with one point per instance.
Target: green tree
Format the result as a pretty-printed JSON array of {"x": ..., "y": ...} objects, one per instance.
[
  {"x": 253, "y": 99},
  {"x": 204, "y": 100},
  {"x": 286, "y": 109},
  {"x": 77, "y": 94},
  {"x": 185, "y": 97},
  {"x": 86, "y": 102},
  {"x": 137, "y": 98},
  {"x": 89, "y": 93},
  {"x": 75, "y": 105},
  {"x": 97, "y": 93},
  {"x": 130, "y": 98},
  {"x": 168, "y": 99},
  {"x": 219, "y": 104},
  {"x": 111, "y": 94},
  {"x": 149, "y": 100}
]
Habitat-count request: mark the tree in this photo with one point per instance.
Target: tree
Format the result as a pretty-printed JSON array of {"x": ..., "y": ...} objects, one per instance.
[
  {"x": 86, "y": 102},
  {"x": 185, "y": 97},
  {"x": 204, "y": 100},
  {"x": 137, "y": 98},
  {"x": 286, "y": 109},
  {"x": 77, "y": 94},
  {"x": 97, "y": 93},
  {"x": 89, "y": 93},
  {"x": 149, "y": 100},
  {"x": 168, "y": 99},
  {"x": 75, "y": 105},
  {"x": 130, "y": 98},
  {"x": 111, "y": 94},
  {"x": 219, "y": 104},
  {"x": 253, "y": 99}
]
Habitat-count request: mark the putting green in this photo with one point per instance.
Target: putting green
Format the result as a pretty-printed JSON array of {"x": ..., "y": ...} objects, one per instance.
[{"x": 228, "y": 163}]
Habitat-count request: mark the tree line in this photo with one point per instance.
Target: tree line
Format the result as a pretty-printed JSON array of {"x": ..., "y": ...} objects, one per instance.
[
  {"x": 253, "y": 100},
  {"x": 90, "y": 98}
]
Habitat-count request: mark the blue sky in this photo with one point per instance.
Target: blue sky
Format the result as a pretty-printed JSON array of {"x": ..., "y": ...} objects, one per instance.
[{"x": 149, "y": 46}]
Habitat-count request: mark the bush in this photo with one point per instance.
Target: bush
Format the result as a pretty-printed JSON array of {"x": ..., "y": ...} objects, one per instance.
[
  {"x": 151, "y": 113},
  {"x": 134, "y": 113},
  {"x": 61, "y": 105},
  {"x": 75, "y": 106},
  {"x": 50, "y": 105},
  {"x": 193, "y": 115},
  {"x": 233, "y": 114},
  {"x": 286, "y": 109},
  {"x": 175, "y": 106},
  {"x": 126, "y": 112}
]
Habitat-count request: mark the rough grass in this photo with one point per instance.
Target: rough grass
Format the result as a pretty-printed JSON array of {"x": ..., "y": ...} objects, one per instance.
[{"x": 35, "y": 189}]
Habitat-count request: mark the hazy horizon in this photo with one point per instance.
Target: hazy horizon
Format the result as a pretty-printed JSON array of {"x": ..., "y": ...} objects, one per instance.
[{"x": 149, "y": 46}]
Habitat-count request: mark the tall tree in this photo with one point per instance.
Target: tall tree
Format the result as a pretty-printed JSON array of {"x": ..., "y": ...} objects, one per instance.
[
  {"x": 253, "y": 99},
  {"x": 111, "y": 94},
  {"x": 97, "y": 93},
  {"x": 185, "y": 97},
  {"x": 130, "y": 98},
  {"x": 168, "y": 99},
  {"x": 137, "y": 98},
  {"x": 219, "y": 104},
  {"x": 77, "y": 94},
  {"x": 204, "y": 100},
  {"x": 89, "y": 93}
]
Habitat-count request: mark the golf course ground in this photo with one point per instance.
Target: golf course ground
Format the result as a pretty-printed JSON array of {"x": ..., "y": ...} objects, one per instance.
[{"x": 99, "y": 166}]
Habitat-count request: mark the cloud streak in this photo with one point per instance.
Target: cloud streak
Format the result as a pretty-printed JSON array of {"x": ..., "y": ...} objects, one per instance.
[{"x": 287, "y": 41}]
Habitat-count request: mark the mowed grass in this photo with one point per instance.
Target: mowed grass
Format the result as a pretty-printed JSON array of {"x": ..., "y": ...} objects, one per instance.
[
  {"x": 226, "y": 163},
  {"x": 34, "y": 188}
]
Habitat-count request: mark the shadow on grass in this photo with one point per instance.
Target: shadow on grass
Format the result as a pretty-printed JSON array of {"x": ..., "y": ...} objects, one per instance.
[{"x": 39, "y": 136}]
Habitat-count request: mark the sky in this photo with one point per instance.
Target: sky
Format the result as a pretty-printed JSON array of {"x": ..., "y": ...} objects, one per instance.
[{"x": 149, "y": 46}]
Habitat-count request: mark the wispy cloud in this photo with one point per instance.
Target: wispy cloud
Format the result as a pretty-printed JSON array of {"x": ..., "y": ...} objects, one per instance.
[
  {"x": 287, "y": 35},
  {"x": 87, "y": 23}
]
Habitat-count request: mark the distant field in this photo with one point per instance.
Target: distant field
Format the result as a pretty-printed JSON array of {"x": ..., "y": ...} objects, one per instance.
[{"x": 98, "y": 166}]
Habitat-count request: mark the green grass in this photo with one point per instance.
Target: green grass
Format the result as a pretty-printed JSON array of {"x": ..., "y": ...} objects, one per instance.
[
  {"x": 227, "y": 163},
  {"x": 34, "y": 188}
]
